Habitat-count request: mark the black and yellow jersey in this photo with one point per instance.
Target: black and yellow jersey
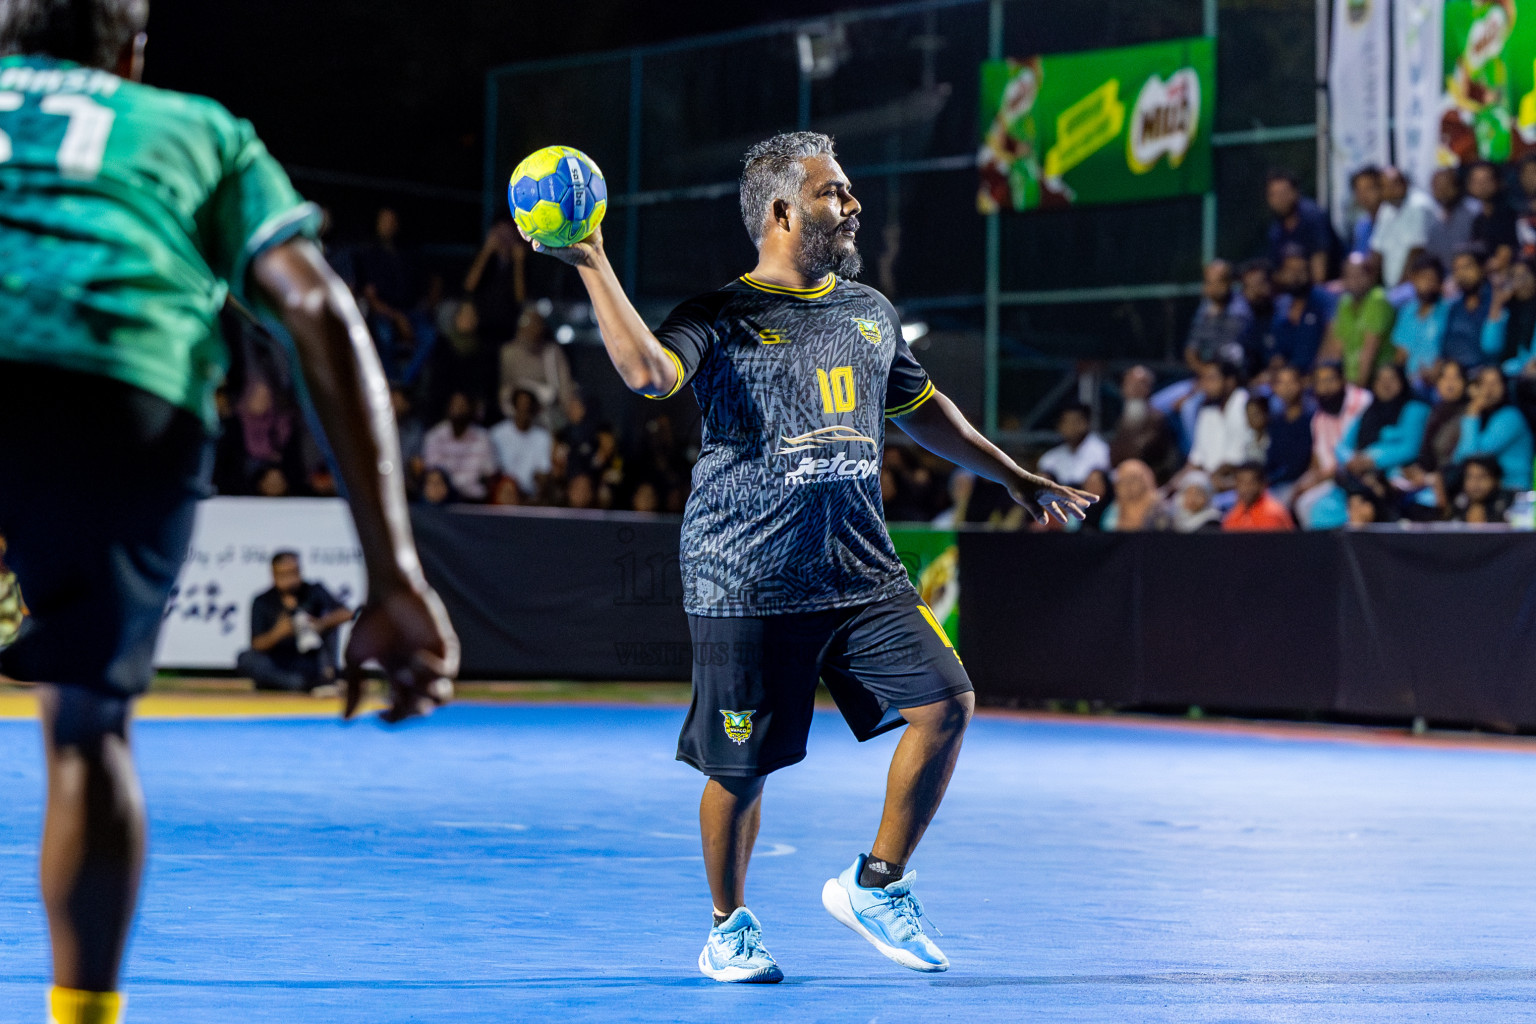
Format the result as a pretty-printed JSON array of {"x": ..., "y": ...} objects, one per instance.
[{"x": 794, "y": 386}]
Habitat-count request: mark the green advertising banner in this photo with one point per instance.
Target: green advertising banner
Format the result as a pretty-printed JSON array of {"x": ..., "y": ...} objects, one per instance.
[
  {"x": 932, "y": 560},
  {"x": 1105, "y": 126},
  {"x": 1490, "y": 81}
]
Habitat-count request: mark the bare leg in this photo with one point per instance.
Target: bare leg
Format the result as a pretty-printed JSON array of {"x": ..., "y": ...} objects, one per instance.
[
  {"x": 93, "y": 838},
  {"x": 920, "y": 770},
  {"x": 729, "y": 815}
]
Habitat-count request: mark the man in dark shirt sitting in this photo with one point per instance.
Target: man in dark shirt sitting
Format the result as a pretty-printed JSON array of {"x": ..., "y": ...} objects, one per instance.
[{"x": 293, "y": 631}]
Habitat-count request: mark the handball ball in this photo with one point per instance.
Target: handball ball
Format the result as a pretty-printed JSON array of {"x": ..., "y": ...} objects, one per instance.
[{"x": 558, "y": 196}]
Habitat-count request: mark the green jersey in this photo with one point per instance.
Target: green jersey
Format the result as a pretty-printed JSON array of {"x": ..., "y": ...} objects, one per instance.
[{"x": 127, "y": 215}]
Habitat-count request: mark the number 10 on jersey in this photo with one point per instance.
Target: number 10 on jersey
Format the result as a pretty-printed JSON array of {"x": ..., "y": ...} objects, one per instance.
[{"x": 837, "y": 389}]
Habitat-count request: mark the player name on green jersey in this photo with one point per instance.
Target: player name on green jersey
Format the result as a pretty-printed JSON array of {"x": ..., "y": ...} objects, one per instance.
[{"x": 127, "y": 215}]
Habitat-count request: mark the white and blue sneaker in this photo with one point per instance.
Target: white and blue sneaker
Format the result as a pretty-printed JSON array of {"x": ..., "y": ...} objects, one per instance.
[
  {"x": 735, "y": 952},
  {"x": 890, "y": 918}
]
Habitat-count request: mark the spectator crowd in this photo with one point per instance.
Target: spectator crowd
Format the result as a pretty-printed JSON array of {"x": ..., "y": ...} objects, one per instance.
[
  {"x": 1382, "y": 376},
  {"x": 1387, "y": 376}
]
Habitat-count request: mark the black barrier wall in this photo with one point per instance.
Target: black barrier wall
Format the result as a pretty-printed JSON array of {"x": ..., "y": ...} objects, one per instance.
[
  {"x": 1369, "y": 625},
  {"x": 568, "y": 596}
]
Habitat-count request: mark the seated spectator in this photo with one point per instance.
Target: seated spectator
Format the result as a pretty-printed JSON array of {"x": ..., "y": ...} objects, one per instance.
[
  {"x": 1143, "y": 432},
  {"x": 1525, "y": 223},
  {"x": 1302, "y": 314},
  {"x": 1339, "y": 404},
  {"x": 1223, "y": 322},
  {"x": 462, "y": 448},
  {"x": 581, "y": 492},
  {"x": 1136, "y": 506},
  {"x": 1256, "y": 510},
  {"x": 1290, "y": 433},
  {"x": 1366, "y": 186},
  {"x": 532, "y": 362},
  {"x": 412, "y": 433},
  {"x": 1387, "y": 437},
  {"x": 1257, "y": 448},
  {"x": 269, "y": 429},
  {"x": 1494, "y": 429},
  {"x": 1418, "y": 334},
  {"x": 271, "y": 482},
  {"x": 1365, "y": 510},
  {"x": 645, "y": 499},
  {"x": 1483, "y": 498},
  {"x": 1297, "y": 222},
  {"x": 1474, "y": 325},
  {"x": 1443, "y": 430},
  {"x": 1494, "y": 225},
  {"x": 1221, "y": 432},
  {"x": 293, "y": 631},
  {"x": 505, "y": 492},
  {"x": 1081, "y": 450},
  {"x": 523, "y": 447},
  {"x": 1258, "y": 287},
  {"x": 1362, "y": 324},
  {"x": 1194, "y": 509},
  {"x": 1450, "y": 217},
  {"x": 436, "y": 488},
  {"x": 1402, "y": 226},
  {"x": 1519, "y": 355}
]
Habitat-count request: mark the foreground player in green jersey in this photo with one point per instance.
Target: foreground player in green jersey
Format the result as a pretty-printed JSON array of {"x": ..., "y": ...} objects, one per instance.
[{"x": 127, "y": 216}]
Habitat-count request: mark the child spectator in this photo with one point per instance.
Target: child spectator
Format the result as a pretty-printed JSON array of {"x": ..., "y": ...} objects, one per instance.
[
  {"x": 1483, "y": 498},
  {"x": 1256, "y": 449},
  {"x": 1193, "y": 510},
  {"x": 436, "y": 488},
  {"x": 1256, "y": 511}
]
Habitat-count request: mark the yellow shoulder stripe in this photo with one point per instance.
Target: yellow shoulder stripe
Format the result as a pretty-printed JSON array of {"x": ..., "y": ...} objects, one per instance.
[
  {"x": 816, "y": 291},
  {"x": 680, "y": 375},
  {"x": 922, "y": 396}
]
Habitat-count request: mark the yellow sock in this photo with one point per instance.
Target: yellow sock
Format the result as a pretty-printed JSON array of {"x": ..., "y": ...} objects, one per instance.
[{"x": 71, "y": 1006}]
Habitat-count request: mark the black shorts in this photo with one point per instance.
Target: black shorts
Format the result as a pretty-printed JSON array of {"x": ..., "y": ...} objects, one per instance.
[
  {"x": 99, "y": 484},
  {"x": 754, "y": 680}
]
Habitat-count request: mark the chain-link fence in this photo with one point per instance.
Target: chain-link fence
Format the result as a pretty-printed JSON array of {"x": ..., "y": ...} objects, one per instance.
[{"x": 1016, "y": 304}]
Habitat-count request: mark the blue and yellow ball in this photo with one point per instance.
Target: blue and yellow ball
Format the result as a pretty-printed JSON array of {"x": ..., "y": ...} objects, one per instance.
[{"x": 558, "y": 196}]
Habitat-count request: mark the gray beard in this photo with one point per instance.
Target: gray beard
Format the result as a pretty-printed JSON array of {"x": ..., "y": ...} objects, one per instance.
[{"x": 822, "y": 253}]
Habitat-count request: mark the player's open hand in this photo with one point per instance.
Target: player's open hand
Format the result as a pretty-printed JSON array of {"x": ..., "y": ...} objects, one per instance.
[
  {"x": 1045, "y": 499},
  {"x": 407, "y": 632},
  {"x": 586, "y": 253}
]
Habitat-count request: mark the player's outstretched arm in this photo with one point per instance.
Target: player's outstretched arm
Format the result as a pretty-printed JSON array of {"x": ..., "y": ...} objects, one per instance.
[
  {"x": 637, "y": 355},
  {"x": 941, "y": 428},
  {"x": 403, "y": 625}
]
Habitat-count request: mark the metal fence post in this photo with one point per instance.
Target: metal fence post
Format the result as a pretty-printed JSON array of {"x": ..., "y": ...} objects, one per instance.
[{"x": 992, "y": 335}]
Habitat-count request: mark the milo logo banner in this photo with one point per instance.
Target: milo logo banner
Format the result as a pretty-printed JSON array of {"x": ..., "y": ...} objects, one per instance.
[
  {"x": 1490, "y": 82},
  {"x": 1105, "y": 126}
]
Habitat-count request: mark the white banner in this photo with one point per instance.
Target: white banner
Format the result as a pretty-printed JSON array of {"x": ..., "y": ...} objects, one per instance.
[
  {"x": 1418, "y": 43},
  {"x": 1358, "y": 83},
  {"x": 207, "y": 621}
]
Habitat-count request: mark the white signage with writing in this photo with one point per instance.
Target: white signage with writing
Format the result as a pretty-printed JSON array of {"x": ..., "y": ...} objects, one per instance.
[{"x": 207, "y": 621}]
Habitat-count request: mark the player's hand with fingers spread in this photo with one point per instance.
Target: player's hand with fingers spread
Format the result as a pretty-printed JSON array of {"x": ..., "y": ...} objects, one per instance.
[
  {"x": 1044, "y": 499},
  {"x": 586, "y": 253},
  {"x": 406, "y": 630}
]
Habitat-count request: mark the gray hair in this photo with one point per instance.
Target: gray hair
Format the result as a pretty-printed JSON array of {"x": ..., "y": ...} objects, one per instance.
[
  {"x": 89, "y": 32},
  {"x": 774, "y": 171}
]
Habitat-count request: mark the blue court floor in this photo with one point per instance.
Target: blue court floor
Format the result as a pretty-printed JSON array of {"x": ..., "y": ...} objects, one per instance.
[{"x": 541, "y": 864}]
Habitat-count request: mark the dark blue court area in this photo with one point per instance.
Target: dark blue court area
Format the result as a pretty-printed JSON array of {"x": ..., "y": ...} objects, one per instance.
[{"x": 542, "y": 864}]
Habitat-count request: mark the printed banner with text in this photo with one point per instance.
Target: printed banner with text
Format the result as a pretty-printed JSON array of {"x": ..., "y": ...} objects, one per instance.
[{"x": 1104, "y": 126}]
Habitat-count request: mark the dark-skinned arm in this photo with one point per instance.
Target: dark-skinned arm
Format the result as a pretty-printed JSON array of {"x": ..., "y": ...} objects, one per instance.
[
  {"x": 941, "y": 428},
  {"x": 403, "y": 625}
]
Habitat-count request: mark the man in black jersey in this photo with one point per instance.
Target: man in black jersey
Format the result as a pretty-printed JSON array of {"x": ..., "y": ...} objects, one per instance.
[{"x": 789, "y": 574}]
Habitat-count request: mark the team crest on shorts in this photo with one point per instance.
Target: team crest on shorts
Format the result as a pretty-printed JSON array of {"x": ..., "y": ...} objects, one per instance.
[
  {"x": 869, "y": 328},
  {"x": 738, "y": 725}
]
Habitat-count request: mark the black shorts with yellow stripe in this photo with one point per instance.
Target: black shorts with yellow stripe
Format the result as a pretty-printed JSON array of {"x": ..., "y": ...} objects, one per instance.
[{"x": 754, "y": 679}]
